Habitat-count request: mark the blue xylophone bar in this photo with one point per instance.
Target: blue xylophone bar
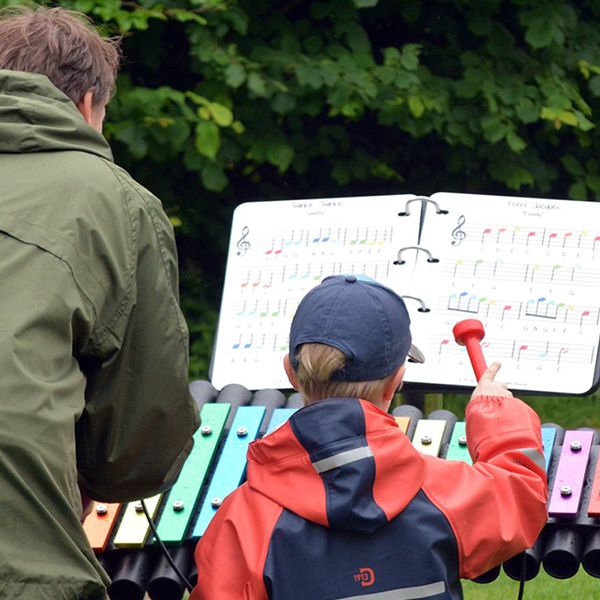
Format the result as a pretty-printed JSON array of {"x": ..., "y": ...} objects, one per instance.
[{"x": 233, "y": 416}]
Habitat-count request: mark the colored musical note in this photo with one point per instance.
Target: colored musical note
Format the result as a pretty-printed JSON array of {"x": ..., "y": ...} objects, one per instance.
[
  {"x": 545, "y": 352},
  {"x": 442, "y": 344},
  {"x": 486, "y": 231},
  {"x": 532, "y": 271},
  {"x": 530, "y": 235},
  {"x": 500, "y": 232},
  {"x": 281, "y": 308},
  {"x": 555, "y": 268},
  {"x": 458, "y": 263},
  {"x": 456, "y": 305},
  {"x": 471, "y": 305},
  {"x": 567, "y": 235},
  {"x": 476, "y": 266},
  {"x": 243, "y": 245},
  {"x": 541, "y": 308},
  {"x": 522, "y": 348},
  {"x": 504, "y": 310},
  {"x": 252, "y": 312},
  {"x": 585, "y": 313},
  {"x": 275, "y": 248},
  {"x": 560, "y": 354},
  {"x": 269, "y": 283},
  {"x": 596, "y": 240},
  {"x": 551, "y": 237},
  {"x": 516, "y": 230},
  {"x": 458, "y": 235}
]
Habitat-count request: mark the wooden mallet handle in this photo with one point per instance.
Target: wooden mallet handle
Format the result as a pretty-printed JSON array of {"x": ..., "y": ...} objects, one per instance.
[{"x": 469, "y": 333}]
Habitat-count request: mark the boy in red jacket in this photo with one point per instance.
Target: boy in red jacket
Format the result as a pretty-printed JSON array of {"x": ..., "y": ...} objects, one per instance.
[{"x": 339, "y": 504}]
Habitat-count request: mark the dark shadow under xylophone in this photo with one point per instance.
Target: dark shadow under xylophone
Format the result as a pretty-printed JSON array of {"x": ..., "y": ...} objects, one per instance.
[{"x": 235, "y": 416}]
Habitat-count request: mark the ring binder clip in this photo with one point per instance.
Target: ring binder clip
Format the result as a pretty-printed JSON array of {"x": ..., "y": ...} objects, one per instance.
[
  {"x": 430, "y": 259},
  {"x": 423, "y": 308},
  {"x": 422, "y": 199}
]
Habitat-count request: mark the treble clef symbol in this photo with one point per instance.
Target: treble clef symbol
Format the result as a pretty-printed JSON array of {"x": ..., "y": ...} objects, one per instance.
[
  {"x": 243, "y": 244},
  {"x": 457, "y": 233}
]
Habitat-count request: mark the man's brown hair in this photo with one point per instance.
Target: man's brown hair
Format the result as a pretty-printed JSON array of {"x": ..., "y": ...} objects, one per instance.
[{"x": 64, "y": 46}]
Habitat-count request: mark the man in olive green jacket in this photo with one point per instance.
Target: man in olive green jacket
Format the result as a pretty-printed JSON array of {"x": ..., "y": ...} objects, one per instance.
[{"x": 93, "y": 345}]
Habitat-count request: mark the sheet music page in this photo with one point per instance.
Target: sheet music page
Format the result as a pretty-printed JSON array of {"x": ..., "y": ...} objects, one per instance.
[
  {"x": 529, "y": 269},
  {"x": 278, "y": 251}
]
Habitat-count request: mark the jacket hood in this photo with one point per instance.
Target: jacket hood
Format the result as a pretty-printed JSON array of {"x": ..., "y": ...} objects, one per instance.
[
  {"x": 341, "y": 463},
  {"x": 35, "y": 116}
]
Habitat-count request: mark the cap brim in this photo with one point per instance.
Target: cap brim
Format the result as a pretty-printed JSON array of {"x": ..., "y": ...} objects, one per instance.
[{"x": 415, "y": 355}]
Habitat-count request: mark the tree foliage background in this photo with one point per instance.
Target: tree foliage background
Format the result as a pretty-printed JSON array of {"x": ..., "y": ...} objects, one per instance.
[{"x": 225, "y": 101}]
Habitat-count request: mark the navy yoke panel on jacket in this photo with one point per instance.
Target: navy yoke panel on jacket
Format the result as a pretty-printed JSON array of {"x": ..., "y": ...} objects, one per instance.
[
  {"x": 414, "y": 556},
  {"x": 335, "y": 438}
]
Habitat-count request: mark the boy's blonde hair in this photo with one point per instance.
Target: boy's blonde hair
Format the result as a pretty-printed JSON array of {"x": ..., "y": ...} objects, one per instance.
[{"x": 316, "y": 364}]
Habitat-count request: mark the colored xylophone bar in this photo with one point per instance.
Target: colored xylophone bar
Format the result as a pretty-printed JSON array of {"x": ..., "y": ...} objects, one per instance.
[{"x": 233, "y": 417}]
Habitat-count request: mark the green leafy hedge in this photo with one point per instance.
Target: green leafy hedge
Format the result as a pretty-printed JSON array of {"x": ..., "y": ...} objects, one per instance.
[{"x": 225, "y": 101}]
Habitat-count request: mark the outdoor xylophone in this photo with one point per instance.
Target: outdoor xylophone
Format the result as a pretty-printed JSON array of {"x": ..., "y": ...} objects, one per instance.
[{"x": 233, "y": 417}]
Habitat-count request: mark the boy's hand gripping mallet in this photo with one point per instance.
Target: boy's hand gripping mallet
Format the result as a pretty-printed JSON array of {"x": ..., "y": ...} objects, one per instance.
[{"x": 469, "y": 333}]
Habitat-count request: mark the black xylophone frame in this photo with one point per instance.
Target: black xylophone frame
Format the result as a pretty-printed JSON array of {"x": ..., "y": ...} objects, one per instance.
[{"x": 570, "y": 539}]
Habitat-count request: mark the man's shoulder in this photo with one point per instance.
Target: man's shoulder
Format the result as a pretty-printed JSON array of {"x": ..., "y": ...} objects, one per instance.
[{"x": 101, "y": 182}]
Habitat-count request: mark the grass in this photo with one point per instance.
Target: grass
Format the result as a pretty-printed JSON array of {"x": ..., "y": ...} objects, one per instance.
[
  {"x": 542, "y": 587},
  {"x": 570, "y": 412}
]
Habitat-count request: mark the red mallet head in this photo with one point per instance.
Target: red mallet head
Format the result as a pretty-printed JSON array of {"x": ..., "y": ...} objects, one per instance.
[{"x": 469, "y": 333}]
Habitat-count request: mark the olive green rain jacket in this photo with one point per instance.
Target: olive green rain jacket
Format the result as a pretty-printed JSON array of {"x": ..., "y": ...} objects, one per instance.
[{"x": 93, "y": 346}]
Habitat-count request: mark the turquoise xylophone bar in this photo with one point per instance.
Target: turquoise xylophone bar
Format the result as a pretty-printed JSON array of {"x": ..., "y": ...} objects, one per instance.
[{"x": 231, "y": 468}]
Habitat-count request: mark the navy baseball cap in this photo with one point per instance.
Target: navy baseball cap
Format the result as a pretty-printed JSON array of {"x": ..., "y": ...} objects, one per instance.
[{"x": 364, "y": 319}]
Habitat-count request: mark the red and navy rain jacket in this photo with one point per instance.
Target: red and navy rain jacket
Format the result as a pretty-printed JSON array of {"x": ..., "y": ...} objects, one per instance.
[{"x": 338, "y": 504}]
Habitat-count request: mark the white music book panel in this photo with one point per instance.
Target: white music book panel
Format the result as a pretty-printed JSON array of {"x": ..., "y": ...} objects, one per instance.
[{"x": 529, "y": 269}]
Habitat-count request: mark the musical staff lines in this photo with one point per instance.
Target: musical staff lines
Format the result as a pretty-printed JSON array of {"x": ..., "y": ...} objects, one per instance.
[
  {"x": 480, "y": 269},
  {"x": 265, "y": 308},
  {"x": 540, "y": 238},
  {"x": 260, "y": 277},
  {"x": 259, "y": 342},
  {"x": 520, "y": 350},
  {"x": 536, "y": 309},
  {"x": 276, "y": 243}
]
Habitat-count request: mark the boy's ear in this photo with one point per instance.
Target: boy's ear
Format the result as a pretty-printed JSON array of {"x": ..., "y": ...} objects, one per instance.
[
  {"x": 289, "y": 371},
  {"x": 394, "y": 383}
]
